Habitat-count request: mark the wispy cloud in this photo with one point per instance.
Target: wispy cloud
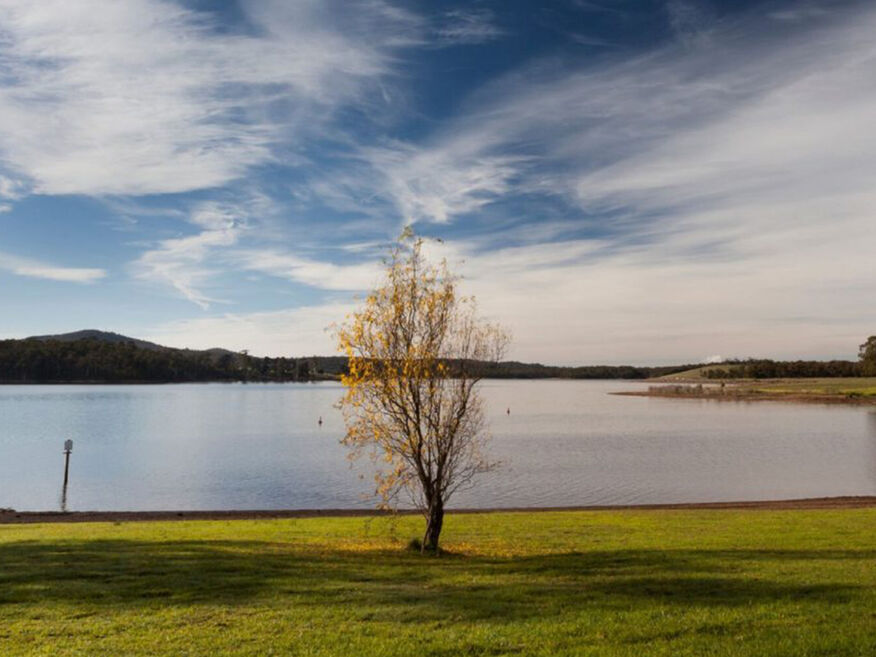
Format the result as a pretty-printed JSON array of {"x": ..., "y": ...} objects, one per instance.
[
  {"x": 10, "y": 189},
  {"x": 398, "y": 183},
  {"x": 292, "y": 332},
  {"x": 799, "y": 11},
  {"x": 182, "y": 262},
  {"x": 466, "y": 26},
  {"x": 713, "y": 195},
  {"x": 318, "y": 274},
  {"x": 236, "y": 237},
  {"x": 146, "y": 96},
  {"x": 37, "y": 269},
  {"x": 441, "y": 182},
  {"x": 742, "y": 172},
  {"x": 690, "y": 21},
  {"x": 569, "y": 134}
]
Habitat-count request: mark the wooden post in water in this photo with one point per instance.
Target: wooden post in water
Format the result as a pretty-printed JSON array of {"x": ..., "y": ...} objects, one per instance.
[{"x": 68, "y": 447}]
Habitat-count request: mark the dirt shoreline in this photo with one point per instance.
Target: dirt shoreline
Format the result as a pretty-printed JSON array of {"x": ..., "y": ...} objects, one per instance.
[{"x": 31, "y": 517}]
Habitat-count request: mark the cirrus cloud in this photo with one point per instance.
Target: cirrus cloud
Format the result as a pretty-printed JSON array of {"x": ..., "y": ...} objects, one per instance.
[
  {"x": 37, "y": 269},
  {"x": 147, "y": 96}
]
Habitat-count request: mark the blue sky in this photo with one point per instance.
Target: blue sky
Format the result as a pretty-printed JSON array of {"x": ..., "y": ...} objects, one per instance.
[{"x": 643, "y": 182}]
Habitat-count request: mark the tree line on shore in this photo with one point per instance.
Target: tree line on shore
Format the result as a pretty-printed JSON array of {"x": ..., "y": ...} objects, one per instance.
[
  {"x": 94, "y": 360},
  {"x": 764, "y": 368}
]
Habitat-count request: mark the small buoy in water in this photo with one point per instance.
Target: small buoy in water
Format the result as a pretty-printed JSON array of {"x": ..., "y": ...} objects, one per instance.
[
  {"x": 508, "y": 412},
  {"x": 319, "y": 422}
]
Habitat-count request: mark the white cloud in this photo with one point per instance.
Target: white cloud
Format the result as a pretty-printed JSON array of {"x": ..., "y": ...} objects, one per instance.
[
  {"x": 294, "y": 332},
  {"x": 794, "y": 96},
  {"x": 436, "y": 182},
  {"x": 467, "y": 26},
  {"x": 317, "y": 274},
  {"x": 146, "y": 96},
  {"x": 11, "y": 189},
  {"x": 37, "y": 269},
  {"x": 743, "y": 175},
  {"x": 182, "y": 262},
  {"x": 439, "y": 183},
  {"x": 741, "y": 171},
  {"x": 800, "y": 10},
  {"x": 231, "y": 237},
  {"x": 586, "y": 301}
]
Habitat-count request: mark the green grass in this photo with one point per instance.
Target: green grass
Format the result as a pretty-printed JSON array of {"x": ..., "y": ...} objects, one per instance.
[
  {"x": 571, "y": 583},
  {"x": 699, "y": 373},
  {"x": 863, "y": 386},
  {"x": 842, "y": 387}
]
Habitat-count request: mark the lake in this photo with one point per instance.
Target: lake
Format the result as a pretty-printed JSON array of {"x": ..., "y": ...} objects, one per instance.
[{"x": 259, "y": 446}]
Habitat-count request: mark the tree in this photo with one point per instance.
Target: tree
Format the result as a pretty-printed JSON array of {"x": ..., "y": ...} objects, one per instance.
[
  {"x": 411, "y": 401},
  {"x": 867, "y": 356}
]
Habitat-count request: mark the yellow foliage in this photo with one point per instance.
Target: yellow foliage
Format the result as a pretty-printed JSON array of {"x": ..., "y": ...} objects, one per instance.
[{"x": 410, "y": 397}]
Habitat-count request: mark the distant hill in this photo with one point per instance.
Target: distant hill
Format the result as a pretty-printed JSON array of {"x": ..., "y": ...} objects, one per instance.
[
  {"x": 100, "y": 336},
  {"x": 92, "y": 356},
  {"x": 118, "y": 338}
]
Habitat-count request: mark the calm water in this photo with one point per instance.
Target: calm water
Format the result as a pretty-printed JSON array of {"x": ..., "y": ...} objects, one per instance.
[{"x": 239, "y": 446}]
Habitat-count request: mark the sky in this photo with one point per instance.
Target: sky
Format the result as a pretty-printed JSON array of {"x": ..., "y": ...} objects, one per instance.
[{"x": 643, "y": 182}]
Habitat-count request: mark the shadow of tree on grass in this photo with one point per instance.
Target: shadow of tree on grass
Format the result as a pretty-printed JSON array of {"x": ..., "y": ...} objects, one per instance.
[{"x": 399, "y": 585}]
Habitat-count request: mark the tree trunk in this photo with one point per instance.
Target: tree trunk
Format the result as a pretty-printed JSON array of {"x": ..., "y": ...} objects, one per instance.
[{"x": 434, "y": 522}]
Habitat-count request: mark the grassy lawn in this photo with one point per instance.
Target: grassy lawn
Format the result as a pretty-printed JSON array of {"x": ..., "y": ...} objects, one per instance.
[
  {"x": 858, "y": 388},
  {"x": 862, "y": 386},
  {"x": 698, "y": 373},
  {"x": 571, "y": 583}
]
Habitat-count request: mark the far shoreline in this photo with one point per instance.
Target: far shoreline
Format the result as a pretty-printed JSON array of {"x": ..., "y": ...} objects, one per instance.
[
  {"x": 757, "y": 397},
  {"x": 11, "y": 517}
]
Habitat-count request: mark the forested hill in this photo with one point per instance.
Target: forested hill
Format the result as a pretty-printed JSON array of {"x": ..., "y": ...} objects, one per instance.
[
  {"x": 97, "y": 356},
  {"x": 102, "y": 336}
]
